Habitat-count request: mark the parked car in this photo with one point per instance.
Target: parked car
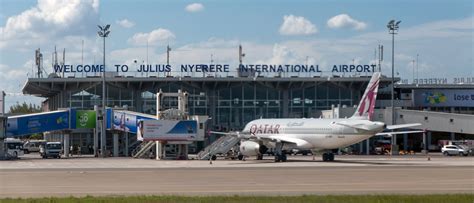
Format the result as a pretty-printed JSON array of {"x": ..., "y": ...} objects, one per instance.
[
  {"x": 448, "y": 150},
  {"x": 51, "y": 149}
]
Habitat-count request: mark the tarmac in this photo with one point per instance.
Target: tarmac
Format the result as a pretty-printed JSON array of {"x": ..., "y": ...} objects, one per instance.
[{"x": 80, "y": 176}]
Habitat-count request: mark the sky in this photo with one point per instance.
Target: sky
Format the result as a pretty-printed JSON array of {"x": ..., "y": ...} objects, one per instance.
[{"x": 319, "y": 32}]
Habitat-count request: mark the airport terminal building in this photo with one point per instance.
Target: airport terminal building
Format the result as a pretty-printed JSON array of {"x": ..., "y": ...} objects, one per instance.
[{"x": 232, "y": 100}]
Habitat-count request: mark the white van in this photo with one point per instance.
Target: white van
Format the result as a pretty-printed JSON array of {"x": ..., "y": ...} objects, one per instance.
[
  {"x": 51, "y": 149},
  {"x": 14, "y": 147}
]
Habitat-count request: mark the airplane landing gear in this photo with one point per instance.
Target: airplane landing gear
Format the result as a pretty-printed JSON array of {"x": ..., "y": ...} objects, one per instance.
[
  {"x": 328, "y": 156},
  {"x": 280, "y": 157},
  {"x": 279, "y": 153}
]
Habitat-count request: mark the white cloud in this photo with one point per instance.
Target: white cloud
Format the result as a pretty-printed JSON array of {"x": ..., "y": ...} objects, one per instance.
[
  {"x": 50, "y": 19},
  {"x": 194, "y": 7},
  {"x": 297, "y": 25},
  {"x": 344, "y": 20},
  {"x": 154, "y": 37},
  {"x": 125, "y": 23}
]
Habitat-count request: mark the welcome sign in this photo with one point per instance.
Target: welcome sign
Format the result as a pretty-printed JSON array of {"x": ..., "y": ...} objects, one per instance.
[{"x": 217, "y": 68}]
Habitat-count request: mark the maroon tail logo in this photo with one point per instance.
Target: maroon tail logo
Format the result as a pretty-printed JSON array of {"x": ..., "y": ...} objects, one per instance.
[{"x": 368, "y": 103}]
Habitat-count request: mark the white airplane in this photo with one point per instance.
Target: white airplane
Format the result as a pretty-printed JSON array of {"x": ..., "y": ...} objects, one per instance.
[{"x": 315, "y": 134}]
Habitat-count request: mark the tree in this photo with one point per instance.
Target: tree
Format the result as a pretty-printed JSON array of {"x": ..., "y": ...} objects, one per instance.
[{"x": 24, "y": 108}]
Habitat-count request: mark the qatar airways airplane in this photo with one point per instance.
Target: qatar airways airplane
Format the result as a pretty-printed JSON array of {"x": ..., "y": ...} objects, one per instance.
[{"x": 315, "y": 134}]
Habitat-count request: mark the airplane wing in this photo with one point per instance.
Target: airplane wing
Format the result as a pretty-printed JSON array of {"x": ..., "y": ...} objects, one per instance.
[
  {"x": 391, "y": 127},
  {"x": 236, "y": 134},
  {"x": 299, "y": 142},
  {"x": 389, "y": 134},
  {"x": 273, "y": 138}
]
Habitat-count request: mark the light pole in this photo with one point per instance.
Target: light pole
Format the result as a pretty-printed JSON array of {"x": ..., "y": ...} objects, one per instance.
[
  {"x": 103, "y": 32},
  {"x": 392, "y": 29}
]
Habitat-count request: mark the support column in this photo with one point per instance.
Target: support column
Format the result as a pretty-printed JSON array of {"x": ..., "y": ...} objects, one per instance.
[
  {"x": 96, "y": 133},
  {"x": 405, "y": 142},
  {"x": 424, "y": 150},
  {"x": 159, "y": 151},
  {"x": 212, "y": 108},
  {"x": 178, "y": 153},
  {"x": 3, "y": 125},
  {"x": 66, "y": 144},
  {"x": 126, "y": 144},
  {"x": 116, "y": 144},
  {"x": 285, "y": 103},
  {"x": 103, "y": 142},
  {"x": 88, "y": 141},
  {"x": 428, "y": 140},
  {"x": 185, "y": 149},
  {"x": 361, "y": 147},
  {"x": 453, "y": 136},
  {"x": 368, "y": 146},
  {"x": 96, "y": 142}
]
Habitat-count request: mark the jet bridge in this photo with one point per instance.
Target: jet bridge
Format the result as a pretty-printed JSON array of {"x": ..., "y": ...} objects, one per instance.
[{"x": 177, "y": 123}]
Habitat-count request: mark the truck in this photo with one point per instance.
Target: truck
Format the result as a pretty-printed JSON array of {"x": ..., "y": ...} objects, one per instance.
[
  {"x": 51, "y": 149},
  {"x": 33, "y": 146}
]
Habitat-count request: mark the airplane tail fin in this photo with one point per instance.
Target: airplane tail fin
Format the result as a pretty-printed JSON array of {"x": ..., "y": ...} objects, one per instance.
[{"x": 365, "y": 110}]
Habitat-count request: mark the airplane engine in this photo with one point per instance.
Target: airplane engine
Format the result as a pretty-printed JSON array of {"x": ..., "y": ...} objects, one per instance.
[{"x": 250, "y": 148}]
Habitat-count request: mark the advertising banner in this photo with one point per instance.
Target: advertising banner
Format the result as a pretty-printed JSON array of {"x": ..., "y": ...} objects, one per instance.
[
  {"x": 444, "y": 97},
  {"x": 85, "y": 119},
  {"x": 168, "y": 130},
  {"x": 126, "y": 121},
  {"x": 37, "y": 123},
  {"x": 108, "y": 113}
]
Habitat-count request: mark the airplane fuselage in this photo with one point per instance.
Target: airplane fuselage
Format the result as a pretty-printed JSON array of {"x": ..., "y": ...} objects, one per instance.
[{"x": 318, "y": 133}]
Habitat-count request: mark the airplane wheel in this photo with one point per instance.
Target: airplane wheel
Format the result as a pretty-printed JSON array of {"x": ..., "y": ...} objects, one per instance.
[
  {"x": 283, "y": 158},
  {"x": 214, "y": 157},
  {"x": 240, "y": 157},
  {"x": 260, "y": 157},
  {"x": 330, "y": 157},
  {"x": 277, "y": 158},
  {"x": 325, "y": 157}
]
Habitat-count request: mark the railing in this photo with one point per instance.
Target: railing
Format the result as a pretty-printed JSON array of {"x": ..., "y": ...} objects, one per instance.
[
  {"x": 220, "y": 146},
  {"x": 143, "y": 149}
]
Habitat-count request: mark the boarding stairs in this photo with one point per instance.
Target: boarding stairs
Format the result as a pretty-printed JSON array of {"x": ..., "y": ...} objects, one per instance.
[
  {"x": 220, "y": 146},
  {"x": 143, "y": 150}
]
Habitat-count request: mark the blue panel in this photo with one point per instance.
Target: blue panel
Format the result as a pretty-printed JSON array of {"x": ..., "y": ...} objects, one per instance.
[
  {"x": 37, "y": 123},
  {"x": 126, "y": 122},
  {"x": 73, "y": 118},
  {"x": 183, "y": 127},
  {"x": 109, "y": 114}
]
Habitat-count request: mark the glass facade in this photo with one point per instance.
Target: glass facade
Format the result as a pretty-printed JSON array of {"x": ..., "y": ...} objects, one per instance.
[{"x": 231, "y": 105}]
